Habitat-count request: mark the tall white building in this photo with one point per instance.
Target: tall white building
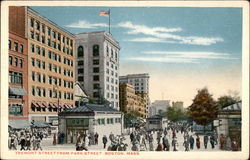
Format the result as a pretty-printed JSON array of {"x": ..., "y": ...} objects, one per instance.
[
  {"x": 139, "y": 81},
  {"x": 158, "y": 107},
  {"x": 141, "y": 84},
  {"x": 97, "y": 65}
]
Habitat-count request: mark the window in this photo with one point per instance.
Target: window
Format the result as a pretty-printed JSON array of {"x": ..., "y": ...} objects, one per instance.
[
  {"x": 32, "y": 34},
  {"x": 43, "y": 28},
  {"x": 33, "y": 76},
  {"x": 37, "y": 25},
  {"x": 112, "y": 53},
  {"x": 43, "y": 39},
  {"x": 38, "y": 77},
  {"x": 44, "y": 92},
  {"x": 49, "y": 31},
  {"x": 38, "y": 91},
  {"x": 43, "y": 52},
  {"x": 67, "y": 41},
  {"x": 33, "y": 91},
  {"x": 59, "y": 70},
  {"x": 59, "y": 81},
  {"x": 38, "y": 50},
  {"x": 21, "y": 48},
  {"x": 49, "y": 54},
  {"x": 107, "y": 63},
  {"x": 80, "y": 63},
  {"x": 49, "y": 42},
  {"x": 32, "y": 22},
  {"x": 107, "y": 79},
  {"x": 50, "y": 93},
  {"x": 38, "y": 63},
  {"x": 21, "y": 63},
  {"x": 44, "y": 78},
  {"x": 50, "y": 66},
  {"x": 15, "y": 109},
  {"x": 59, "y": 37},
  {"x": 58, "y": 46},
  {"x": 107, "y": 87},
  {"x": 10, "y": 60},
  {"x": 96, "y": 50},
  {"x": 37, "y": 37},
  {"x": 50, "y": 80},
  {"x": 80, "y": 78},
  {"x": 59, "y": 94},
  {"x": 95, "y": 61},
  {"x": 96, "y": 69},
  {"x": 15, "y": 46},
  {"x": 80, "y": 71},
  {"x": 96, "y": 78},
  {"x": 71, "y": 42},
  {"x": 116, "y": 56},
  {"x": 9, "y": 44},
  {"x": 107, "y": 71},
  {"x": 96, "y": 85},
  {"x": 15, "y": 77},
  {"x": 53, "y": 34},
  {"x": 107, "y": 94},
  {"x": 16, "y": 61},
  {"x": 107, "y": 50},
  {"x": 59, "y": 58},
  {"x": 96, "y": 94},
  {"x": 32, "y": 47}
]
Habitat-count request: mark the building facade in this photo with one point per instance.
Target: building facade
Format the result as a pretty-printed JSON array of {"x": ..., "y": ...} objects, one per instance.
[
  {"x": 131, "y": 101},
  {"x": 178, "y": 105},
  {"x": 89, "y": 119},
  {"x": 158, "y": 107},
  {"x": 97, "y": 66},
  {"x": 51, "y": 68},
  {"x": 18, "y": 65},
  {"x": 140, "y": 83}
]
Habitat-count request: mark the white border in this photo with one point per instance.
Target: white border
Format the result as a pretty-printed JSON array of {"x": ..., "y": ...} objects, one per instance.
[{"x": 6, "y": 154}]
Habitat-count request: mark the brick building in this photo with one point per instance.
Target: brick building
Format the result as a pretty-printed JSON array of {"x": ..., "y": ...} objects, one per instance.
[{"x": 18, "y": 65}]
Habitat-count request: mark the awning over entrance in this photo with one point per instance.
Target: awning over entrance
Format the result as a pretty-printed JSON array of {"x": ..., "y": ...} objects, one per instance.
[
  {"x": 19, "y": 124},
  {"x": 16, "y": 91}
]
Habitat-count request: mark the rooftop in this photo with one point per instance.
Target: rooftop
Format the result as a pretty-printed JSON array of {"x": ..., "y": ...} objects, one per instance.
[{"x": 233, "y": 108}]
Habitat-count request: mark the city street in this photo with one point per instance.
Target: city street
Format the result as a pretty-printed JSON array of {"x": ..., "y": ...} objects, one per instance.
[{"x": 47, "y": 144}]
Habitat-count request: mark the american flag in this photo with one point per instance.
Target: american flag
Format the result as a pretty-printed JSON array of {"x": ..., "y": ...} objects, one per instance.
[{"x": 103, "y": 13}]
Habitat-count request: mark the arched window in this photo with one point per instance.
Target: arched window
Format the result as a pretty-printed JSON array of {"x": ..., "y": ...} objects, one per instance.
[
  {"x": 96, "y": 50},
  {"x": 80, "y": 51}
]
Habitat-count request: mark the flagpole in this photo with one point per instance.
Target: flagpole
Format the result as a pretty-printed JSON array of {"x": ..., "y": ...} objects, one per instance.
[{"x": 109, "y": 20}]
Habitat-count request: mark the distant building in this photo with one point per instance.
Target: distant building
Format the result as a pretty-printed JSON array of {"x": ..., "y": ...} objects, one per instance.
[
  {"x": 178, "y": 105},
  {"x": 140, "y": 83},
  {"x": 158, "y": 107},
  {"x": 132, "y": 101},
  {"x": 97, "y": 66},
  {"x": 156, "y": 123},
  {"x": 89, "y": 119}
]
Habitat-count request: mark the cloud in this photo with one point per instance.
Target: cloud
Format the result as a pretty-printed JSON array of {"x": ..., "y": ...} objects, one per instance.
[
  {"x": 165, "y": 34},
  {"x": 86, "y": 24},
  {"x": 181, "y": 57},
  {"x": 149, "y": 39}
]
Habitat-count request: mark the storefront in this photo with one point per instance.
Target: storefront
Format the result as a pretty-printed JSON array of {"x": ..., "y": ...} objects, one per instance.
[{"x": 89, "y": 119}]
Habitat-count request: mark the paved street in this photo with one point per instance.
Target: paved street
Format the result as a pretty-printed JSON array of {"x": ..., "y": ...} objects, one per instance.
[{"x": 47, "y": 144}]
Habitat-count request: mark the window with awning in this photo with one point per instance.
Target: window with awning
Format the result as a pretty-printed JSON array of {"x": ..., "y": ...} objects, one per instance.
[{"x": 16, "y": 91}]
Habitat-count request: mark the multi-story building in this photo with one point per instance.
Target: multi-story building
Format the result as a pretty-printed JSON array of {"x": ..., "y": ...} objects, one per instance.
[
  {"x": 51, "y": 67},
  {"x": 131, "y": 101},
  {"x": 97, "y": 66},
  {"x": 140, "y": 83},
  {"x": 158, "y": 107},
  {"x": 178, "y": 105},
  {"x": 18, "y": 65}
]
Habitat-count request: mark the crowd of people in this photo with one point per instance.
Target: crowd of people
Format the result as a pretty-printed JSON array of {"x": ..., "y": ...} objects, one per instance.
[{"x": 28, "y": 139}]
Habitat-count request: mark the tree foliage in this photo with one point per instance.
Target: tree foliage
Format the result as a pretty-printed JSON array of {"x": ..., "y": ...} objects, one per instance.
[
  {"x": 225, "y": 101},
  {"x": 131, "y": 117},
  {"x": 175, "y": 114},
  {"x": 203, "y": 109}
]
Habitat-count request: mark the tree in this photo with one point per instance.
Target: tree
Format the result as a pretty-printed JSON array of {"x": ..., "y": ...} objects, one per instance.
[
  {"x": 203, "y": 109},
  {"x": 131, "y": 117},
  {"x": 174, "y": 114},
  {"x": 225, "y": 101}
]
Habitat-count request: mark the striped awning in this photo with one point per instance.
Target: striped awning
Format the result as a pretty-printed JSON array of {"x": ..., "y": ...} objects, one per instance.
[
  {"x": 35, "y": 104},
  {"x": 44, "y": 104},
  {"x": 52, "y": 105}
]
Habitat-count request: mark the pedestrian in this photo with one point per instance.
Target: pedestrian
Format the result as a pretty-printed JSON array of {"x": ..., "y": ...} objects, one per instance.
[
  {"x": 22, "y": 142},
  {"x": 151, "y": 140},
  {"x": 212, "y": 141},
  {"x": 28, "y": 142},
  {"x": 228, "y": 143},
  {"x": 235, "y": 145},
  {"x": 205, "y": 140},
  {"x": 175, "y": 144},
  {"x": 13, "y": 142},
  {"x": 104, "y": 141},
  {"x": 111, "y": 137},
  {"x": 96, "y": 138},
  {"x": 198, "y": 143},
  {"x": 186, "y": 144},
  {"x": 159, "y": 146},
  {"x": 132, "y": 136},
  {"x": 222, "y": 142},
  {"x": 38, "y": 143},
  {"x": 62, "y": 137},
  {"x": 165, "y": 141},
  {"x": 191, "y": 141},
  {"x": 54, "y": 139}
]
